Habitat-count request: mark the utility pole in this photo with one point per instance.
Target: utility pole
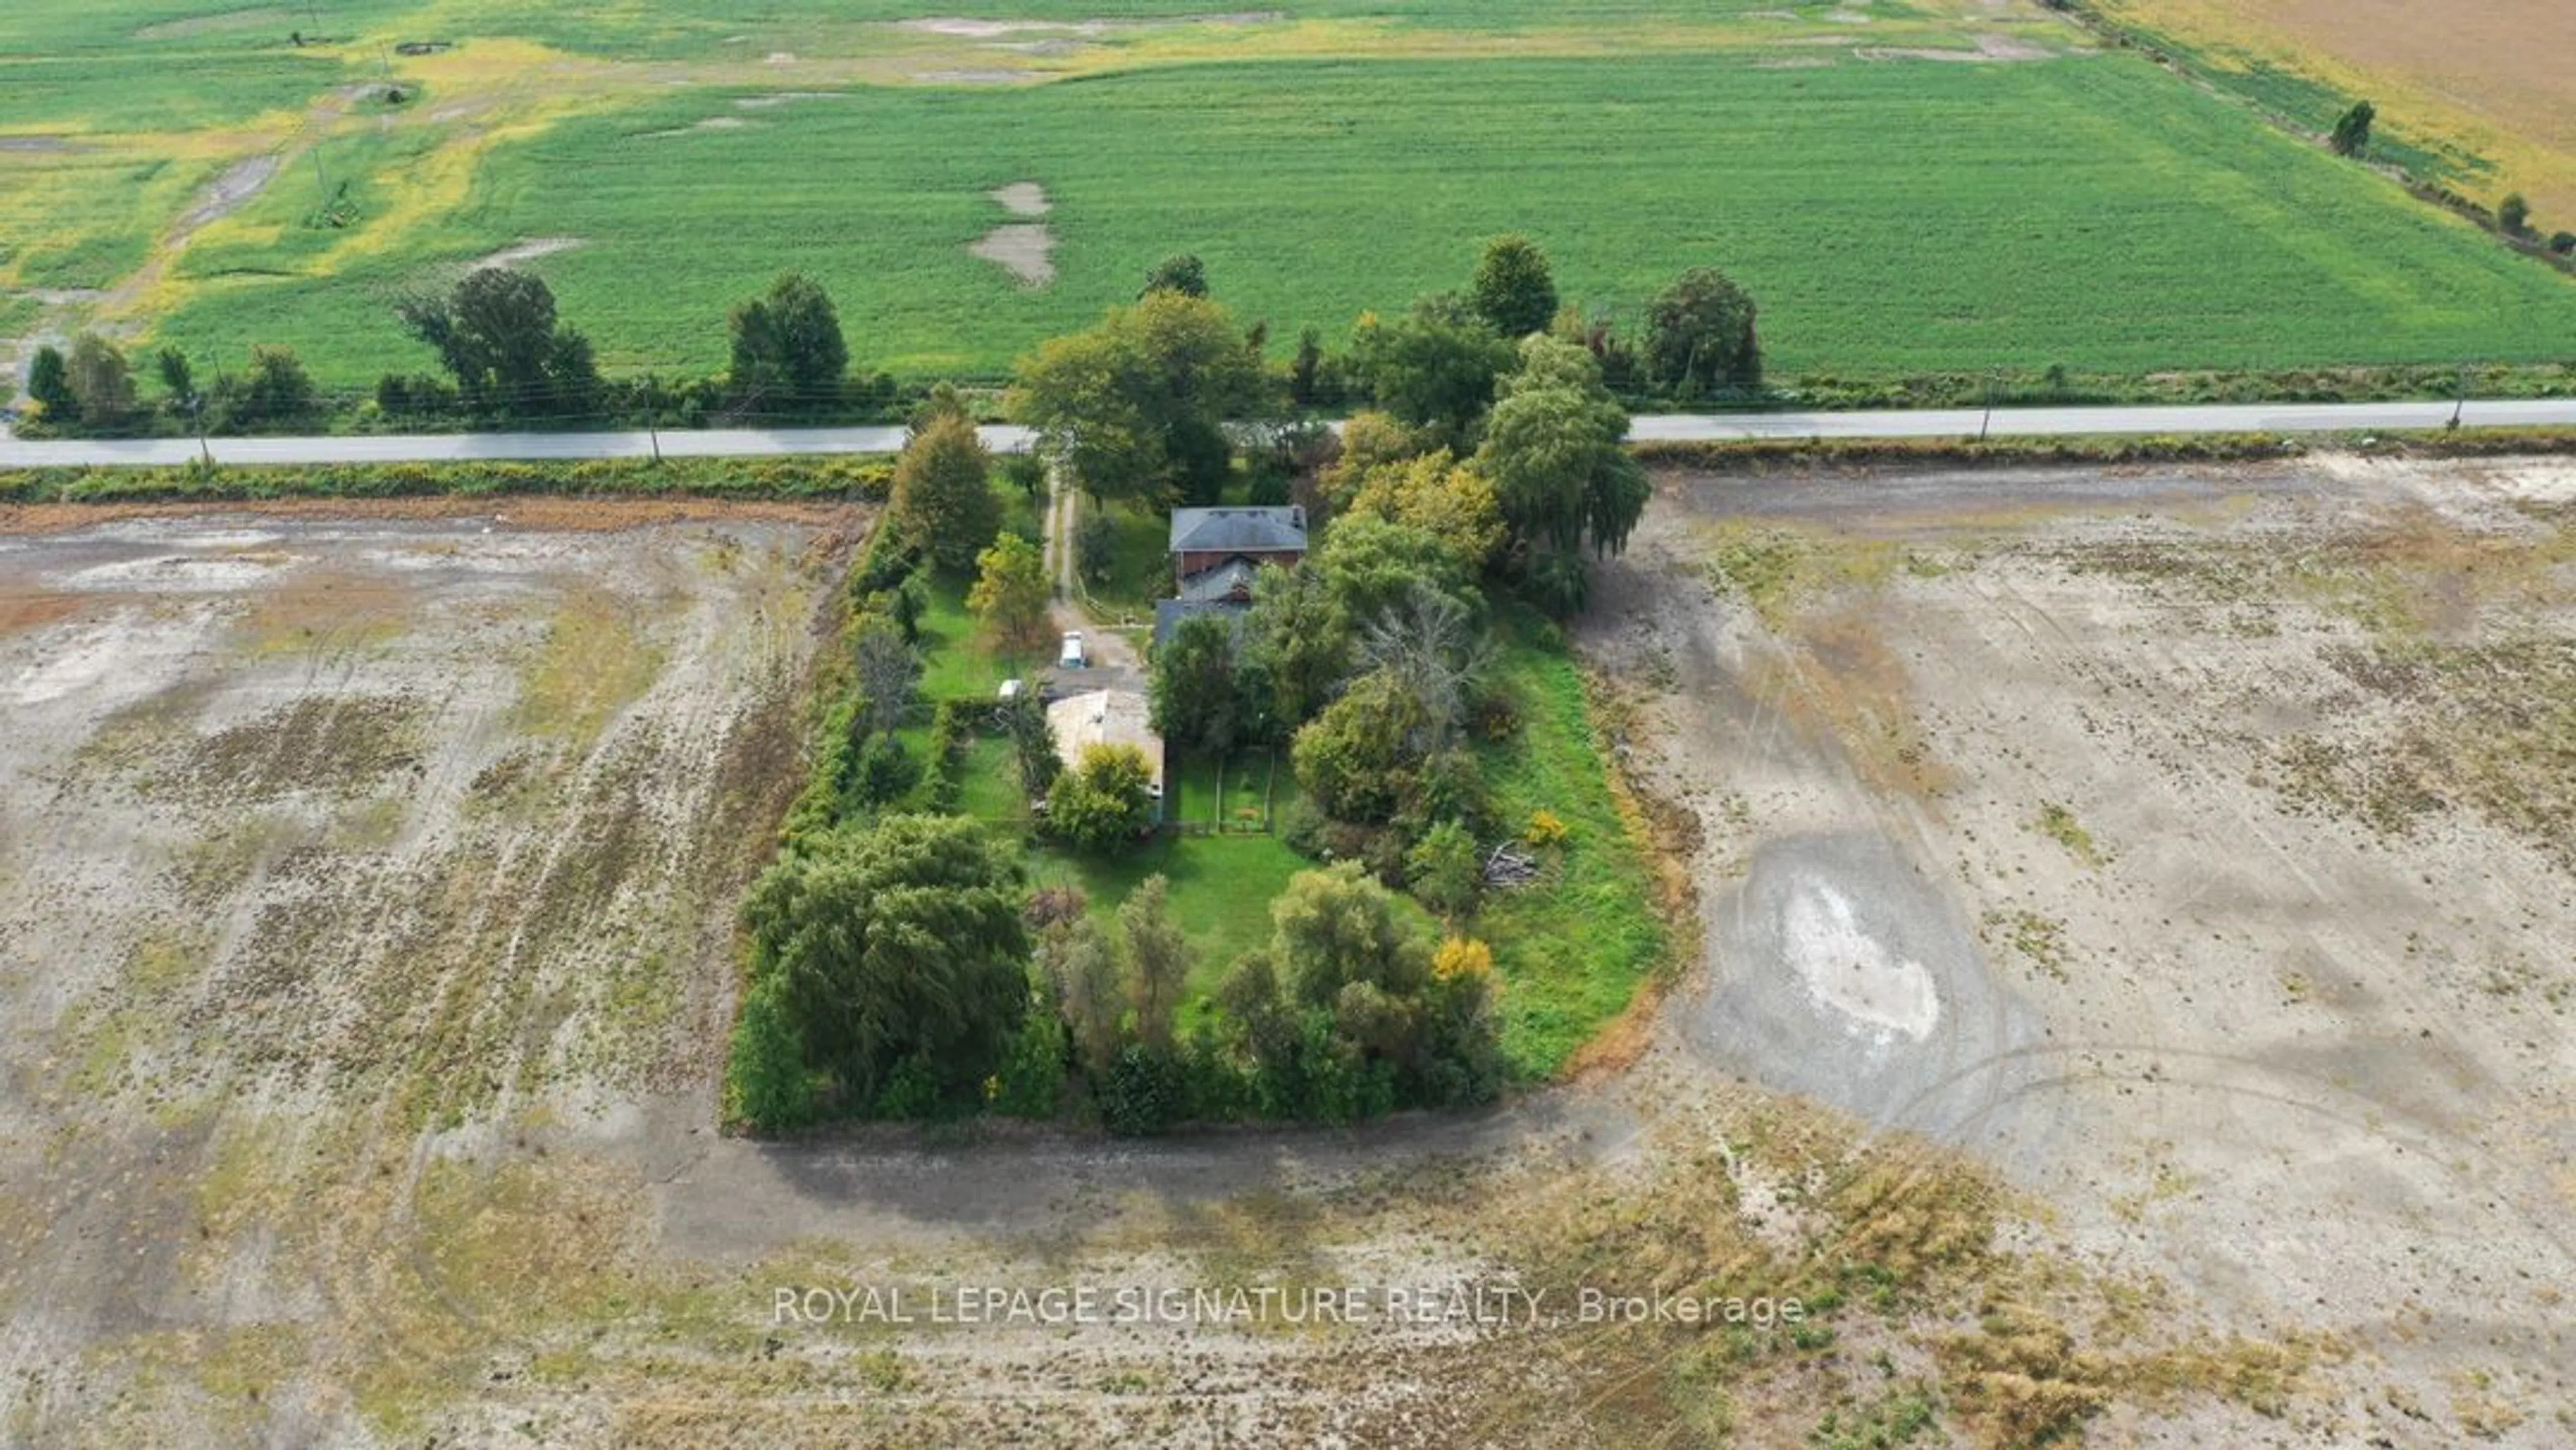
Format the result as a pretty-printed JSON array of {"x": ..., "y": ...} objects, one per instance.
[
  {"x": 1987, "y": 424},
  {"x": 2460, "y": 398},
  {"x": 652, "y": 410}
]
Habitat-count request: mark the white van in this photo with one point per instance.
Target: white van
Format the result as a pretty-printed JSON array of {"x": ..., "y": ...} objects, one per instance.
[{"x": 1072, "y": 658}]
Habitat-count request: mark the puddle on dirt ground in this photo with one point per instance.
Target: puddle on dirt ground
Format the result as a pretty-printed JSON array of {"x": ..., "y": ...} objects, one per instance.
[
  {"x": 1840, "y": 971},
  {"x": 1854, "y": 973}
]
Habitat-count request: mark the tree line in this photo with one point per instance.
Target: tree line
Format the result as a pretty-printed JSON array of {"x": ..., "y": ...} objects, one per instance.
[
  {"x": 1489, "y": 416},
  {"x": 506, "y": 356},
  {"x": 92, "y": 389}
]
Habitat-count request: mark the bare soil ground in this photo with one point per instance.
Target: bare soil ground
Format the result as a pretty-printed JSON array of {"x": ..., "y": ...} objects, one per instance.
[
  {"x": 326, "y": 849},
  {"x": 2134, "y": 1006},
  {"x": 1023, "y": 198},
  {"x": 1024, "y": 249},
  {"x": 2227, "y": 814}
]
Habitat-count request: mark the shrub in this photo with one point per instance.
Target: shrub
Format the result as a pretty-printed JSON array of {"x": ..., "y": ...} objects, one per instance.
[
  {"x": 767, "y": 1087},
  {"x": 1026, "y": 472},
  {"x": 1054, "y": 906},
  {"x": 1030, "y": 1083},
  {"x": 2513, "y": 215},
  {"x": 910, "y": 1091},
  {"x": 1545, "y": 829},
  {"x": 1144, "y": 1091},
  {"x": 1380, "y": 849},
  {"x": 1450, "y": 787},
  {"x": 1024, "y": 720},
  {"x": 873, "y": 481},
  {"x": 414, "y": 396},
  {"x": 1105, "y": 803},
  {"x": 886, "y": 772},
  {"x": 1302, "y": 828},
  {"x": 947, "y": 726},
  {"x": 1462, "y": 956},
  {"x": 1358, "y": 759},
  {"x": 946, "y": 786},
  {"x": 885, "y": 571},
  {"x": 1445, "y": 870},
  {"x": 835, "y": 767},
  {"x": 1493, "y": 716},
  {"x": 2563, "y": 243}
]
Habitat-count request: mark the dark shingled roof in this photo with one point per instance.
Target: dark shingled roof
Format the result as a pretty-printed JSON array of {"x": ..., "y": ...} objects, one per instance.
[
  {"x": 1170, "y": 612},
  {"x": 1238, "y": 530},
  {"x": 1228, "y": 580}
]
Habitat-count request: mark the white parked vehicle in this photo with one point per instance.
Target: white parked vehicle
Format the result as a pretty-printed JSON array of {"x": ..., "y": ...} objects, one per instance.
[{"x": 1073, "y": 658}]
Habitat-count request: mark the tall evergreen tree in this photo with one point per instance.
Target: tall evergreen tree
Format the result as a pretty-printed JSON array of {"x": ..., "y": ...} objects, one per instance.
[{"x": 49, "y": 382}]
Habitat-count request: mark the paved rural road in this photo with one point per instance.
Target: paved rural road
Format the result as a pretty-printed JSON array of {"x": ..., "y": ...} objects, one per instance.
[{"x": 1663, "y": 428}]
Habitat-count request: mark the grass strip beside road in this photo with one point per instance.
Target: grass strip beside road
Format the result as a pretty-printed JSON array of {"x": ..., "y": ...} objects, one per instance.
[{"x": 811, "y": 479}]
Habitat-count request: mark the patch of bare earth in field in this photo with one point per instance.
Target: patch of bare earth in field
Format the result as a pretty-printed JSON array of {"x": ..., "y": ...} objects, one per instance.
[
  {"x": 332, "y": 855},
  {"x": 2083, "y": 1065},
  {"x": 2223, "y": 814},
  {"x": 1026, "y": 250}
]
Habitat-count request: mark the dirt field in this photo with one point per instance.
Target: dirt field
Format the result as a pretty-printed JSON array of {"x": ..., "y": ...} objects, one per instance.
[
  {"x": 2487, "y": 75},
  {"x": 331, "y": 853},
  {"x": 2226, "y": 815},
  {"x": 2136, "y": 1002}
]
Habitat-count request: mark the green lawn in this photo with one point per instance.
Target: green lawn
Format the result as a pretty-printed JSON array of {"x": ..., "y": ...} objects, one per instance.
[
  {"x": 1221, "y": 888},
  {"x": 1891, "y": 216},
  {"x": 1190, "y": 789},
  {"x": 956, "y": 662},
  {"x": 1256, "y": 786},
  {"x": 989, "y": 784},
  {"x": 1573, "y": 951},
  {"x": 1140, "y": 568}
]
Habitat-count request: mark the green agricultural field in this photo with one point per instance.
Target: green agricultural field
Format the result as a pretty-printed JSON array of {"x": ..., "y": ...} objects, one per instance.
[{"x": 1893, "y": 212}]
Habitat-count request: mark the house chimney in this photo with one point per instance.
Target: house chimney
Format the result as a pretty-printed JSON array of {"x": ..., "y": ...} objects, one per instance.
[{"x": 1297, "y": 514}]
